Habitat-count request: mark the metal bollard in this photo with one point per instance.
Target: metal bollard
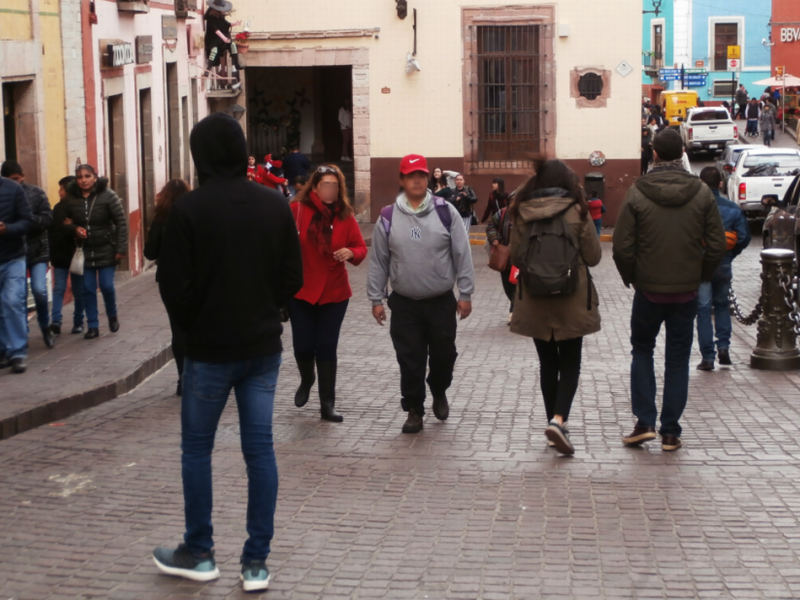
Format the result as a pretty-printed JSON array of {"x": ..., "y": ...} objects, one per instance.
[{"x": 776, "y": 348}]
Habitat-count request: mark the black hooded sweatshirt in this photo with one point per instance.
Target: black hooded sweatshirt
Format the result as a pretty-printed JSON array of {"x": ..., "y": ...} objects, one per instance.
[{"x": 230, "y": 257}]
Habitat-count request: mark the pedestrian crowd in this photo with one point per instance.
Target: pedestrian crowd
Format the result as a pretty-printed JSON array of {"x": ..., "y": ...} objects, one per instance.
[
  {"x": 84, "y": 237},
  {"x": 762, "y": 114},
  {"x": 234, "y": 247}
]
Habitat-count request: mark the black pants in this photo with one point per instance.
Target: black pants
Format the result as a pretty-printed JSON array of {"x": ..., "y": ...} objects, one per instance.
[
  {"x": 315, "y": 329},
  {"x": 424, "y": 335},
  {"x": 178, "y": 345},
  {"x": 509, "y": 288},
  {"x": 560, "y": 368}
]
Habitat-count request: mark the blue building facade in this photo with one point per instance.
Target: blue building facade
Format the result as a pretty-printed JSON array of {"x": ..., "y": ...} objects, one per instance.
[
  {"x": 718, "y": 24},
  {"x": 657, "y": 38}
]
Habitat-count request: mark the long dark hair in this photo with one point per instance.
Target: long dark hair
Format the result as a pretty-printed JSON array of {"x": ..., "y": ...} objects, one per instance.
[
  {"x": 433, "y": 181},
  {"x": 552, "y": 173},
  {"x": 174, "y": 189},
  {"x": 345, "y": 207},
  {"x": 501, "y": 185}
]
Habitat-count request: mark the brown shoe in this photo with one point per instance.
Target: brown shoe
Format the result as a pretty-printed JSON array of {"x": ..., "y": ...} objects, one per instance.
[
  {"x": 414, "y": 422},
  {"x": 639, "y": 436},
  {"x": 670, "y": 443}
]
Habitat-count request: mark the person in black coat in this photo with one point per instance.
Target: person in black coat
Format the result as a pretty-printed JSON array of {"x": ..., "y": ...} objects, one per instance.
[
  {"x": 174, "y": 189},
  {"x": 98, "y": 222},
  {"x": 62, "y": 249},
  {"x": 229, "y": 261},
  {"x": 464, "y": 199},
  {"x": 498, "y": 199},
  {"x": 38, "y": 248}
]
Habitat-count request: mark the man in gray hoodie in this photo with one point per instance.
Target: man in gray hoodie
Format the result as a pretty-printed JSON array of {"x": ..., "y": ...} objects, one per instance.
[{"x": 420, "y": 245}]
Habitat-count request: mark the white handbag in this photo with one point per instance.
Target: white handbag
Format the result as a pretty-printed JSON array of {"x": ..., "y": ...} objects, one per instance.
[{"x": 76, "y": 265}]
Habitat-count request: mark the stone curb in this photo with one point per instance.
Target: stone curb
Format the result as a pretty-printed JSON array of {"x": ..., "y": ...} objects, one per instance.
[{"x": 61, "y": 408}]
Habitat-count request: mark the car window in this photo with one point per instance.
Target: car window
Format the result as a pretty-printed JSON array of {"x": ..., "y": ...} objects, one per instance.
[
  {"x": 782, "y": 161},
  {"x": 710, "y": 115},
  {"x": 735, "y": 154}
]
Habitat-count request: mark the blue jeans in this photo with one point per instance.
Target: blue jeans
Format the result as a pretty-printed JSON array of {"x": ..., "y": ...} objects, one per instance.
[
  {"x": 13, "y": 309},
  {"x": 106, "y": 277},
  {"x": 39, "y": 290},
  {"x": 206, "y": 387},
  {"x": 646, "y": 321},
  {"x": 714, "y": 293},
  {"x": 598, "y": 223},
  {"x": 60, "y": 288}
]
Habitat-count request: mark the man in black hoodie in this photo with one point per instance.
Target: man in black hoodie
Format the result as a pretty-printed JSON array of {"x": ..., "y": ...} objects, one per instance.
[{"x": 230, "y": 259}]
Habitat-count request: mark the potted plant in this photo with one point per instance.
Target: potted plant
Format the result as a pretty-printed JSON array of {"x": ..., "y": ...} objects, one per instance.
[{"x": 241, "y": 42}]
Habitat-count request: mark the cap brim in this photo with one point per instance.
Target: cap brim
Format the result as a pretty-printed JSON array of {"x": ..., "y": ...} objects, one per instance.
[{"x": 414, "y": 170}]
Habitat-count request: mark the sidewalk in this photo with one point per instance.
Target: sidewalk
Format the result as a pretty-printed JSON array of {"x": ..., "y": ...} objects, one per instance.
[
  {"x": 782, "y": 140},
  {"x": 79, "y": 373}
]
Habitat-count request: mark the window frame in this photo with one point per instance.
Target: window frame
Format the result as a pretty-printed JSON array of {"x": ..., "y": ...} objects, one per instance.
[
  {"x": 712, "y": 40},
  {"x": 518, "y": 16}
]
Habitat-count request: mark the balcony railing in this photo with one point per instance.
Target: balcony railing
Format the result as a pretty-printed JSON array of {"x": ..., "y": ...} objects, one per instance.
[
  {"x": 185, "y": 8},
  {"x": 135, "y": 6}
]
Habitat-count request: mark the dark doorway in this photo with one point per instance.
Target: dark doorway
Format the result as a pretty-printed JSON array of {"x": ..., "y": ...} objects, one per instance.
[
  {"x": 173, "y": 122},
  {"x": 117, "y": 163},
  {"x": 19, "y": 123},
  {"x": 297, "y": 105},
  {"x": 147, "y": 174},
  {"x": 337, "y": 87}
]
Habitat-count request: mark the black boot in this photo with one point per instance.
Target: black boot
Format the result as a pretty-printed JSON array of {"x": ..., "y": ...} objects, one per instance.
[
  {"x": 307, "y": 379},
  {"x": 327, "y": 391},
  {"x": 49, "y": 337}
]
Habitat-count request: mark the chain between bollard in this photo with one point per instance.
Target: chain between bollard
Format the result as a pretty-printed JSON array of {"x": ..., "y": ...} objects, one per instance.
[
  {"x": 789, "y": 286},
  {"x": 750, "y": 319}
]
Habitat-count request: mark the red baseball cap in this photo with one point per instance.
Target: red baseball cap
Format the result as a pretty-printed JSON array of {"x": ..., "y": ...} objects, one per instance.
[{"x": 413, "y": 162}]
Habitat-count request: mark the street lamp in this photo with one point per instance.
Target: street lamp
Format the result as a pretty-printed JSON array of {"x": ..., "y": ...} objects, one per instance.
[
  {"x": 235, "y": 111},
  {"x": 656, "y": 8}
]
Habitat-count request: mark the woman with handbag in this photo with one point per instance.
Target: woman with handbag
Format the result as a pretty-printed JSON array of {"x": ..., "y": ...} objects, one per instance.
[
  {"x": 174, "y": 189},
  {"x": 329, "y": 238},
  {"x": 556, "y": 322},
  {"x": 498, "y": 236},
  {"x": 498, "y": 199},
  {"x": 99, "y": 226}
]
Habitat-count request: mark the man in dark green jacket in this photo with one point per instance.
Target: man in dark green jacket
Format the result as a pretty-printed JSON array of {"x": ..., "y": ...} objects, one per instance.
[{"x": 668, "y": 240}]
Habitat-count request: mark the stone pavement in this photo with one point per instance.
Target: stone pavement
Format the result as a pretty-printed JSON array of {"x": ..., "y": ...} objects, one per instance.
[
  {"x": 476, "y": 507},
  {"x": 782, "y": 140},
  {"x": 79, "y": 373}
]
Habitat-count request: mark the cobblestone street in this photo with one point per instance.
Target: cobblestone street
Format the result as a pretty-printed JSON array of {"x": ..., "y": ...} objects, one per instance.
[{"x": 475, "y": 507}]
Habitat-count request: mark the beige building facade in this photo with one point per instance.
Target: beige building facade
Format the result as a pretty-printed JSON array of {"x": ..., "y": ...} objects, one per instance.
[{"x": 498, "y": 86}]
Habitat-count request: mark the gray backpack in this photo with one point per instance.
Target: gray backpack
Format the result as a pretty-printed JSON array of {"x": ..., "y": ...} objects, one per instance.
[{"x": 548, "y": 259}]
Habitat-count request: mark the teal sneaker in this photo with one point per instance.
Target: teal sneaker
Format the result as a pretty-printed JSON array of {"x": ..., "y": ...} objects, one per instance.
[
  {"x": 182, "y": 563},
  {"x": 255, "y": 575}
]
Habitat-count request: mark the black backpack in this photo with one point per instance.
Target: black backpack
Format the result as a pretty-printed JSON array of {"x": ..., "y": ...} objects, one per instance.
[{"x": 548, "y": 258}]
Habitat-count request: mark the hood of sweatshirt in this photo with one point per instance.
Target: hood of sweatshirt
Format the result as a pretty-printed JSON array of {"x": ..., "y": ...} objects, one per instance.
[
  {"x": 402, "y": 203},
  {"x": 545, "y": 204},
  {"x": 219, "y": 148},
  {"x": 669, "y": 186}
]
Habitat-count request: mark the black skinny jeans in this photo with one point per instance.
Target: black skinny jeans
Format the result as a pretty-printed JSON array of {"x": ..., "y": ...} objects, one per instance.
[
  {"x": 509, "y": 288},
  {"x": 560, "y": 368},
  {"x": 315, "y": 329}
]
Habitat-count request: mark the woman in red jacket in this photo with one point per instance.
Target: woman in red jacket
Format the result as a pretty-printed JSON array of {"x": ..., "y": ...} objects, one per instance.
[{"x": 329, "y": 237}]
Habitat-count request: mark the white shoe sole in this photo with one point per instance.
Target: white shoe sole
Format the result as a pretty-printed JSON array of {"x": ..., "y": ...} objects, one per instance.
[
  {"x": 254, "y": 586},
  {"x": 186, "y": 574},
  {"x": 560, "y": 443}
]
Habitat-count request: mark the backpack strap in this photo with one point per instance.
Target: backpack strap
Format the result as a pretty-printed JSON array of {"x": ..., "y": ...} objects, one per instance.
[
  {"x": 443, "y": 211},
  {"x": 439, "y": 204},
  {"x": 386, "y": 218}
]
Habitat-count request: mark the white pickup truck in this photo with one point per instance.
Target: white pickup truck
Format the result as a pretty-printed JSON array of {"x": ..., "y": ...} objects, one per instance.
[
  {"x": 762, "y": 172},
  {"x": 708, "y": 129}
]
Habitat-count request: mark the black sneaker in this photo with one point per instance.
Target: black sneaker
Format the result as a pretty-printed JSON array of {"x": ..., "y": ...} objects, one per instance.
[
  {"x": 182, "y": 563},
  {"x": 49, "y": 337},
  {"x": 55, "y": 328},
  {"x": 724, "y": 357},
  {"x": 113, "y": 324},
  {"x": 18, "y": 366},
  {"x": 5, "y": 362},
  {"x": 77, "y": 329},
  {"x": 560, "y": 438},
  {"x": 255, "y": 576},
  {"x": 92, "y": 333}
]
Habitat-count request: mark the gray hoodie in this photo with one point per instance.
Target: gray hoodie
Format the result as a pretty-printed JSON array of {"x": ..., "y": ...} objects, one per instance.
[{"x": 420, "y": 257}]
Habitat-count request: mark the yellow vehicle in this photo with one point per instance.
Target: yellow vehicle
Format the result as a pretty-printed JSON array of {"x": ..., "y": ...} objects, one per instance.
[{"x": 675, "y": 104}]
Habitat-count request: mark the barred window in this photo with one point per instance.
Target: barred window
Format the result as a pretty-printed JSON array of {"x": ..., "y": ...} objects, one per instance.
[
  {"x": 590, "y": 86},
  {"x": 509, "y": 92}
]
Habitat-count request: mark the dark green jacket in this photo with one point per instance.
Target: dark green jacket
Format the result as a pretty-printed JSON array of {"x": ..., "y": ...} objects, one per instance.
[{"x": 669, "y": 236}]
